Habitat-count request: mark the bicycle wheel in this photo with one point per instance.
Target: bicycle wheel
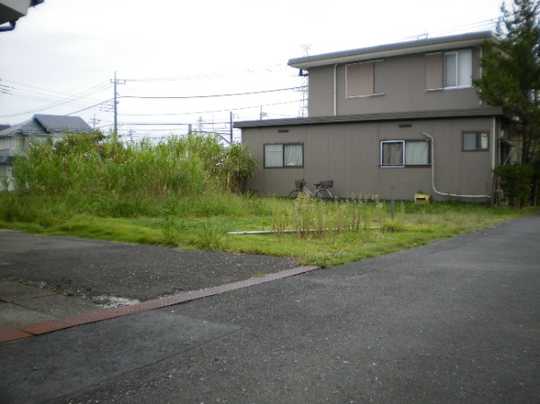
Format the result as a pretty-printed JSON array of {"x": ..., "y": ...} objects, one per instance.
[{"x": 324, "y": 194}]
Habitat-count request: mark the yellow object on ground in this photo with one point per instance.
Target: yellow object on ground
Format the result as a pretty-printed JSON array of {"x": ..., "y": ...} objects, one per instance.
[{"x": 420, "y": 197}]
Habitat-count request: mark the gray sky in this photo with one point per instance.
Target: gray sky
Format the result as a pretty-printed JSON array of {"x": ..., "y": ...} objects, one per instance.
[{"x": 66, "y": 48}]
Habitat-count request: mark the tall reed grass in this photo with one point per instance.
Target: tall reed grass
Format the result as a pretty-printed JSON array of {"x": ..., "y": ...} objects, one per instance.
[{"x": 90, "y": 174}]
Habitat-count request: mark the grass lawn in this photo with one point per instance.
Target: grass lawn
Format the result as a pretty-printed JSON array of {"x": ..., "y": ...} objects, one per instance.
[{"x": 377, "y": 228}]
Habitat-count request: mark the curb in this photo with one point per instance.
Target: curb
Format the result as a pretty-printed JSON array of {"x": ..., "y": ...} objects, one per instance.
[{"x": 12, "y": 334}]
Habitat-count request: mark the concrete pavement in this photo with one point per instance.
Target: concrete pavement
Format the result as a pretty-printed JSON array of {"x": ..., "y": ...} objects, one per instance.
[{"x": 454, "y": 321}]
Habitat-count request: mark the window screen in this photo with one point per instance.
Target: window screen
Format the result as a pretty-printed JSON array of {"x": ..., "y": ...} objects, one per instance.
[
  {"x": 293, "y": 155},
  {"x": 417, "y": 153},
  {"x": 273, "y": 155},
  {"x": 392, "y": 153}
]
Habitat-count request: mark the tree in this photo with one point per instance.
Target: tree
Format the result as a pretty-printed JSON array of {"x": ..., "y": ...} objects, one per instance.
[{"x": 511, "y": 73}]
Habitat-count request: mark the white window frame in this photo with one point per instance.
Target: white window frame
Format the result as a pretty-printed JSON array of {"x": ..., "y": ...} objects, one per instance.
[{"x": 457, "y": 86}]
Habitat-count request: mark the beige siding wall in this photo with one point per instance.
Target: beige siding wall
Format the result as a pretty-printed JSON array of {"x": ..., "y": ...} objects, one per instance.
[
  {"x": 349, "y": 155},
  {"x": 403, "y": 81}
]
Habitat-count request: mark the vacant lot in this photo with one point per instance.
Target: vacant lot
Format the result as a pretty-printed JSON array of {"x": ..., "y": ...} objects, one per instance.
[{"x": 324, "y": 233}]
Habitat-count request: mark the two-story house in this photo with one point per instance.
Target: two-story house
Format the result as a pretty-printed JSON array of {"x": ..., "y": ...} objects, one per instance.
[
  {"x": 15, "y": 140},
  {"x": 390, "y": 120}
]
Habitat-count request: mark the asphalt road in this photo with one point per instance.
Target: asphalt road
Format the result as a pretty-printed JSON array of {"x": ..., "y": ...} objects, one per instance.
[
  {"x": 455, "y": 321},
  {"x": 95, "y": 268}
]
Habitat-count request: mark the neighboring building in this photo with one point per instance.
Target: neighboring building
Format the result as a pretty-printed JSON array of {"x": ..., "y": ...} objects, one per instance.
[
  {"x": 12, "y": 10},
  {"x": 14, "y": 140},
  {"x": 389, "y": 120}
]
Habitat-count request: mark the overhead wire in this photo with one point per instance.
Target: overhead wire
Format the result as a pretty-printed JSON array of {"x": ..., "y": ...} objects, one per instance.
[
  {"x": 185, "y": 97},
  {"x": 87, "y": 93}
]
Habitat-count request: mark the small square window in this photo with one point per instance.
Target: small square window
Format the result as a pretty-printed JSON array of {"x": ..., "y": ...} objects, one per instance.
[{"x": 475, "y": 141}]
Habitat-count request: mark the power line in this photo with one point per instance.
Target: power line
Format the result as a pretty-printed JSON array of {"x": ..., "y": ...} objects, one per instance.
[
  {"x": 44, "y": 90},
  {"x": 220, "y": 74},
  {"x": 55, "y": 105},
  {"x": 155, "y": 97},
  {"x": 37, "y": 92},
  {"x": 215, "y": 110},
  {"x": 91, "y": 106}
]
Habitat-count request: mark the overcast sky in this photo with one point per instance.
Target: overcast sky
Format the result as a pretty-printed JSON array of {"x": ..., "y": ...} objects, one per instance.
[{"x": 66, "y": 48}]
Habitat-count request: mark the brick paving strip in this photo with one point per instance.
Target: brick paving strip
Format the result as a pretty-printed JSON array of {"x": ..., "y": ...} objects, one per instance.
[{"x": 11, "y": 334}]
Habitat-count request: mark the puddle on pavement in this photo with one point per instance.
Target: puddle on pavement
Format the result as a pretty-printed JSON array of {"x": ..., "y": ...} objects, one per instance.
[{"x": 109, "y": 302}]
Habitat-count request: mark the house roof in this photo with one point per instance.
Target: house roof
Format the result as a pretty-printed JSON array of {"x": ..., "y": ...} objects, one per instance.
[
  {"x": 62, "y": 123},
  {"x": 392, "y": 49},
  {"x": 41, "y": 124},
  {"x": 396, "y": 116}
]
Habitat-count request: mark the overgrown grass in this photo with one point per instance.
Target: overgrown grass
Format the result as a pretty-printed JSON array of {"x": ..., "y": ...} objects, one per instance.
[
  {"x": 179, "y": 194},
  {"x": 203, "y": 222}
]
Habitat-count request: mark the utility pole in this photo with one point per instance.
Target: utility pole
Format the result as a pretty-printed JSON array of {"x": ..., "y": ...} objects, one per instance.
[
  {"x": 116, "y": 82},
  {"x": 231, "y": 116},
  {"x": 95, "y": 121}
]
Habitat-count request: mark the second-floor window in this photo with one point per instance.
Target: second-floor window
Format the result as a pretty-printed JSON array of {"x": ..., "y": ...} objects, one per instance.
[
  {"x": 447, "y": 70},
  {"x": 362, "y": 79},
  {"x": 458, "y": 69}
]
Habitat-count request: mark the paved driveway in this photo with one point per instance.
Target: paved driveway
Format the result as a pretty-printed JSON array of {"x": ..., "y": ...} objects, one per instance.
[
  {"x": 93, "y": 267},
  {"x": 455, "y": 321}
]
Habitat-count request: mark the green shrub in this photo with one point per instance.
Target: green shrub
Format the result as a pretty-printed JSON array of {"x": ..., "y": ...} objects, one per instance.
[{"x": 516, "y": 183}]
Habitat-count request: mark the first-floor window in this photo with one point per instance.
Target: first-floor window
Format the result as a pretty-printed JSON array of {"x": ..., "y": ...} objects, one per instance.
[
  {"x": 392, "y": 153},
  {"x": 273, "y": 155},
  {"x": 400, "y": 153},
  {"x": 475, "y": 141},
  {"x": 283, "y": 155},
  {"x": 416, "y": 152}
]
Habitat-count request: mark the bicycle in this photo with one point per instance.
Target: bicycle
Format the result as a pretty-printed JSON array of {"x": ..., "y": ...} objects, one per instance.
[
  {"x": 322, "y": 190},
  {"x": 300, "y": 188}
]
